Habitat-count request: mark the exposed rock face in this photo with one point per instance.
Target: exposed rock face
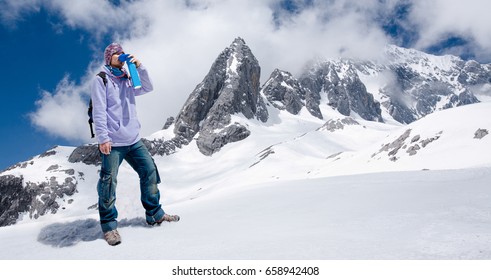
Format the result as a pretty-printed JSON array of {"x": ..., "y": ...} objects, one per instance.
[
  {"x": 230, "y": 87},
  {"x": 164, "y": 147},
  {"x": 18, "y": 196},
  {"x": 346, "y": 92},
  {"x": 333, "y": 125},
  {"x": 480, "y": 133},
  {"x": 473, "y": 73},
  {"x": 425, "y": 83},
  {"x": 88, "y": 154},
  {"x": 428, "y": 94},
  {"x": 284, "y": 92},
  {"x": 340, "y": 82},
  {"x": 414, "y": 84},
  {"x": 168, "y": 122},
  {"x": 15, "y": 199},
  {"x": 210, "y": 142},
  {"x": 404, "y": 142}
]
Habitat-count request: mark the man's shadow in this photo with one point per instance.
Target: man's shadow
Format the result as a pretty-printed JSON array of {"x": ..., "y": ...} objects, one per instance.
[{"x": 69, "y": 234}]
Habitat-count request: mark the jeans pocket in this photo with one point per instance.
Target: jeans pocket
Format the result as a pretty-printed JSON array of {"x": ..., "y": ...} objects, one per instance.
[{"x": 105, "y": 187}]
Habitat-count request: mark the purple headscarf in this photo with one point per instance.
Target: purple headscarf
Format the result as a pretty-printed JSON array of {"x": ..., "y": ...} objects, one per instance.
[{"x": 110, "y": 50}]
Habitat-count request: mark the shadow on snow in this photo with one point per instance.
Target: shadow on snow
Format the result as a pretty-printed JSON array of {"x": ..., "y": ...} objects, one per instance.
[{"x": 69, "y": 234}]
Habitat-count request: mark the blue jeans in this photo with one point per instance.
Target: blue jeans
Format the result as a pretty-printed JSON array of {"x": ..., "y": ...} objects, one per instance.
[{"x": 140, "y": 160}]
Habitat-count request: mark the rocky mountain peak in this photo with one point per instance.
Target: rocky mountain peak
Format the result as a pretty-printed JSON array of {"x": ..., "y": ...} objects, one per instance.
[
  {"x": 230, "y": 87},
  {"x": 423, "y": 83},
  {"x": 284, "y": 92},
  {"x": 239, "y": 43},
  {"x": 340, "y": 83}
]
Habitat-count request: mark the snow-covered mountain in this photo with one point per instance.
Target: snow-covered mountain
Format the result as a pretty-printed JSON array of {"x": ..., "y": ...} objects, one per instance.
[
  {"x": 406, "y": 85},
  {"x": 282, "y": 145}
]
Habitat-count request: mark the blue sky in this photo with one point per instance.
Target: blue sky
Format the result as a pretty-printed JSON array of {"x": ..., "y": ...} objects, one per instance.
[
  {"x": 51, "y": 49},
  {"x": 36, "y": 56}
]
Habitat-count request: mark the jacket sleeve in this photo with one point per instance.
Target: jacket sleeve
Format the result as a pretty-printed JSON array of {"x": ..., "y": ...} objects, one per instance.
[
  {"x": 147, "y": 85},
  {"x": 99, "y": 114}
]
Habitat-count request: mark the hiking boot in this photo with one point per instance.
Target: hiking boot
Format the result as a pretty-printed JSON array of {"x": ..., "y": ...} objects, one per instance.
[
  {"x": 166, "y": 218},
  {"x": 112, "y": 237}
]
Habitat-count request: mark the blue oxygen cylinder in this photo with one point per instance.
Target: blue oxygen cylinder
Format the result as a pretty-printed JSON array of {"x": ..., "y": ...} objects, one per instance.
[{"x": 132, "y": 68}]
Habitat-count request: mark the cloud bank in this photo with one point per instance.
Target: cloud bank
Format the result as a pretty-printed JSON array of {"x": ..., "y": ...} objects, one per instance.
[{"x": 179, "y": 40}]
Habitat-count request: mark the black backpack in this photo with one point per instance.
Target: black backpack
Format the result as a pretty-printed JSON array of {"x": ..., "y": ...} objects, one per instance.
[{"x": 89, "y": 112}]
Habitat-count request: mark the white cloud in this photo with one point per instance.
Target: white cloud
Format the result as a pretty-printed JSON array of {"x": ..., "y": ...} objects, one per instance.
[
  {"x": 438, "y": 19},
  {"x": 63, "y": 113},
  {"x": 14, "y": 10},
  {"x": 179, "y": 40}
]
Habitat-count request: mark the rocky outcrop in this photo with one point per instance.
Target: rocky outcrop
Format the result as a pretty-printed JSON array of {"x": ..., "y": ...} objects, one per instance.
[
  {"x": 480, "y": 133},
  {"x": 473, "y": 73},
  {"x": 15, "y": 199},
  {"x": 284, "y": 92},
  {"x": 411, "y": 145},
  {"x": 418, "y": 95},
  {"x": 88, "y": 154},
  {"x": 37, "y": 199},
  {"x": 339, "y": 124},
  {"x": 210, "y": 142},
  {"x": 163, "y": 147},
  {"x": 425, "y": 83},
  {"x": 345, "y": 91}
]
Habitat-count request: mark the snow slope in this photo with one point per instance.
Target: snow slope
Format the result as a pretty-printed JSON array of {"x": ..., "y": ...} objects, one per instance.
[
  {"x": 398, "y": 215},
  {"x": 292, "y": 190}
]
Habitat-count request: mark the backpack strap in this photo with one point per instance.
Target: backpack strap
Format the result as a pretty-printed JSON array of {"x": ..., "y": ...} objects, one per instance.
[
  {"x": 91, "y": 121},
  {"x": 89, "y": 112},
  {"x": 103, "y": 77}
]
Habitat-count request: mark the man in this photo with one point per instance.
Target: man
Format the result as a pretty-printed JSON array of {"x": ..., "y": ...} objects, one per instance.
[{"x": 118, "y": 134}]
